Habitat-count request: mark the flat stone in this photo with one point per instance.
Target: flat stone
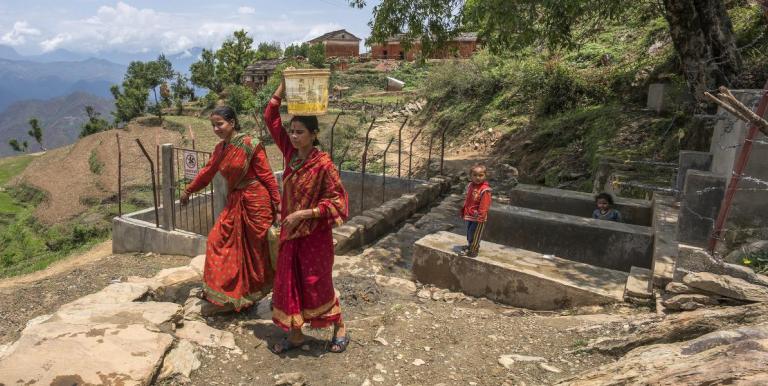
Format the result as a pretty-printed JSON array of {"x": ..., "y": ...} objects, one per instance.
[
  {"x": 290, "y": 379},
  {"x": 637, "y": 283},
  {"x": 193, "y": 308},
  {"x": 64, "y": 353},
  {"x": 678, "y": 288},
  {"x": 160, "y": 314},
  {"x": 115, "y": 293},
  {"x": 550, "y": 368},
  {"x": 397, "y": 284},
  {"x": 514, "y": 276},
  {"x": 731, "y": 356},
  {"x": 694, "y": 259},
  {"x": 727, "y": 286},
  {"x": 688, "y": 302},
  {"x": 177, "y": 276},
  {"x": 205, "y": 335},
  {"x": 181, "y": 361}
]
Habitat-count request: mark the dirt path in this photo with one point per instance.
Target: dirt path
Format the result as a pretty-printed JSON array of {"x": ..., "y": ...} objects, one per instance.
[{"x": 40, "y": 293}]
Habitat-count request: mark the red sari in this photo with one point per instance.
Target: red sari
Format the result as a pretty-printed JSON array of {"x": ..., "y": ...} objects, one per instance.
[
  {"x": 237, "y": 266},
  {"x": 303, "y": 291}
]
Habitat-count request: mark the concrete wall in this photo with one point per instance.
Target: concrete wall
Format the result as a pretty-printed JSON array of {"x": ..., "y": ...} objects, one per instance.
[
  {"x": 633, "y": 211},
  {"x": 134, "y": 235},
  {"x": 514, "y": 276},
  {"x": 596, "y": 242},
  {"x": 749, "y": 205}
]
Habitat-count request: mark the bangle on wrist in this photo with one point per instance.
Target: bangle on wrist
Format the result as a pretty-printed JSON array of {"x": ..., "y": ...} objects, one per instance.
[{"x": 315, "y": 212}]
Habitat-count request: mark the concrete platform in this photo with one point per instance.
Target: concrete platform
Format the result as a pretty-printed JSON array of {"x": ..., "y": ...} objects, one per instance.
[{"x": 514, "y": 276}]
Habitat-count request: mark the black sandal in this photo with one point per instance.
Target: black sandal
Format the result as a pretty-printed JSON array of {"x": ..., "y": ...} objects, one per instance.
[
  {"x": 341, "y": 343},
  {"x": 285, "y": 346}
]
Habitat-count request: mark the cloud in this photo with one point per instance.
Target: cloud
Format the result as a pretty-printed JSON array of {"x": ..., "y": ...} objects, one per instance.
[
  {"x": 18, "y": 34},
  {"x": 246, "y": 10},
  {"x": 54, "y": 42}
]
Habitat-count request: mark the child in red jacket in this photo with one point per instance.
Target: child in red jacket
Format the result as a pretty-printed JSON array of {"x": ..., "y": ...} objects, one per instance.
[{"x": 475, "y": 210}]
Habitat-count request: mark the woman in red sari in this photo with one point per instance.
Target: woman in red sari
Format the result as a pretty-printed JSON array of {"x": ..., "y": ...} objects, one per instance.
[
  {"x": 237, "y": 267},
  {"x": 314, "y": 200}
]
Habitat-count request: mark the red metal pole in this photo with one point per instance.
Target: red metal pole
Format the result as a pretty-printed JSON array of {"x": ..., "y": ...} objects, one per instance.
[{"x": 738, "y": 170}]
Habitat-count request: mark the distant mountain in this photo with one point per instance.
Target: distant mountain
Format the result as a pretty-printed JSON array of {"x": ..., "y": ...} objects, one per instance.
[
  {"x": 7, "y": 52},
  {"x": 61, "y": 119},
  {"x": 180, "y": 61},
  {"x": 59, "y": 55},
  {"x": 23, "y": 79}
]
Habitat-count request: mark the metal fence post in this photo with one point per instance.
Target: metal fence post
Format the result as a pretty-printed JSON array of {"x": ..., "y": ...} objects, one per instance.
[
  {"x": 119, "y": 177},
  {"x": 154, "y": 185},
  {"x": 364, "y": 161},
  {"x": 442, "y": 150},
  {"x": 400, "y": 146},
  {"x": 332, "y": 127},
  {"x": 384, "y": 172},
  {"x": 410, "y": 153},
  {"x": 168, "y": 187},
  {"x": 429, "y": 153}
]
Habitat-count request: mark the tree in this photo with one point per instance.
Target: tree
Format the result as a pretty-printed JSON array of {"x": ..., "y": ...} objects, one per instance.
[
  {"x": 296, "y": 50},
  {"x": 235, "y": 54},
  {"x": 316, "y": 55},
  {"x": 181, "y": 91},
  {"x": 131, "y": 101},
  {"x": 16, "y": 146},
  {"x": 270, "y": 50},
  {"x": 204, "y": 72},
  {"x": 95, "y": 123},
  {"x": 700, "y": 29},
  {"x": 36, "y": 132}
]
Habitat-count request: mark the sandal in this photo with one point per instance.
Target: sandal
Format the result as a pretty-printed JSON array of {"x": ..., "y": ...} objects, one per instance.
[
  {"x": 285, "y": 346},
  {"x": 341, "y": 343}
]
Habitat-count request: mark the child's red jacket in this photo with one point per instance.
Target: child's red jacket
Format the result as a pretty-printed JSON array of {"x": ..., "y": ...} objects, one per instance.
[{"x": 477, "y": 203}]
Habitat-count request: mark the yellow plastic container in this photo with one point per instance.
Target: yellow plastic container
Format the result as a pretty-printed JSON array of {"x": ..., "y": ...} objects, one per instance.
[{"x": 306, "y": 91}]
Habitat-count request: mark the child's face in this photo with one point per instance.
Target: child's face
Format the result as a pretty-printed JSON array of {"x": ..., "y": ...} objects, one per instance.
[
  {"x": 477, "y": 175},
  {"x": 603, "y": 204}
]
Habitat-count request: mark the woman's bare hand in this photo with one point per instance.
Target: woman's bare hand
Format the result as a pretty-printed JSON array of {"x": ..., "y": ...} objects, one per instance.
[
  {"x": 184, "y": 198},
  {"x": 293, "y": 219}
]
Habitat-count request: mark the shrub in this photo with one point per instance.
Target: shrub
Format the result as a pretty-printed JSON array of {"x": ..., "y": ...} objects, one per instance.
[{"x": 94, "y": 164}]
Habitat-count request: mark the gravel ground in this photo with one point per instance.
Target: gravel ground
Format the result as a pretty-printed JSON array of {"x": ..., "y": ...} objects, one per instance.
[{"x": 20, "y": 303}]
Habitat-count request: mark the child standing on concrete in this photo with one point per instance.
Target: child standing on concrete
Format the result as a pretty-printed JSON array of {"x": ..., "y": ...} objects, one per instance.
[
  {"x": 475, "y": 210},
  {"x": 605, "y": 211}
]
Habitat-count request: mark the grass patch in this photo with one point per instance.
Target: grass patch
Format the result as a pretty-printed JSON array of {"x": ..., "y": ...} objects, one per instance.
[{"x": 94, "y": 164}]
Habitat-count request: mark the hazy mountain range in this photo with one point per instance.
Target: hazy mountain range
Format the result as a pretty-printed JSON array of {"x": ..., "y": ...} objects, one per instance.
[
  {"x": 61, "y": 119},
  {"x": 55, "y": 87}
]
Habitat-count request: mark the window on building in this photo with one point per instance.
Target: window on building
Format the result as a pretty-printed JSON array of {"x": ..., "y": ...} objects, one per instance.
[
  {"x": 402, "y": 55},
  {"x": 385, "y": 53}
]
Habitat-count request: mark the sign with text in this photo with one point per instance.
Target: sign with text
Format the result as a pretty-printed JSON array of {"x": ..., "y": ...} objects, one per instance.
[{"x": 190, "y": 164}]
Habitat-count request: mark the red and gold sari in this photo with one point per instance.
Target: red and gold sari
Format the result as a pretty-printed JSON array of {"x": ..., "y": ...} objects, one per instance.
[
  {"x": 237, "y": 266},
  {"x": 303, "y": 291}
]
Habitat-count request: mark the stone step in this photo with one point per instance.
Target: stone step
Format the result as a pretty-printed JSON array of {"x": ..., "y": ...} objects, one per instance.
[
  {"x": 514, "y": 276},
  {"x": 665, "y": 247},
  {"x": 637, "y": 284}
]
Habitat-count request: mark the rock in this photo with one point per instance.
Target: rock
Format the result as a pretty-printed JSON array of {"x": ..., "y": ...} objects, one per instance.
[
  {"x": 688, "y": 302},
  {"x": 655, "y": 329},
  {"x": 381, "y": 341},
  {"x": 525, "y": 358},
  {"x": 506, "y": 361},
  {"x": 193, "y": 308},
  {"x": 378, "y": 378},
  {"x": 290, "y": 379},
  {"x": 424, "y": 293},
  {"x": 198, "y": 263},
  {"x": 181, "y": 361},
  {"x": 678, "y": 288},
  {"x": 162, "y": 316},
  {"x": 692, "y": 259},
  {"x": 115, "y": 293},
  {"x": 396, "y": 284},
  {"x": 550, "y": 368},
  {"x": 728, "y": 356},
  {"x": 366, "y": 382},
  {"x": 418, "y": 362},
  {"x": 727, "y": 286},
  {"x": 736, "y": 256},
  {"x": 57, "y": 352},
  {"x": 204, "y": 335}
]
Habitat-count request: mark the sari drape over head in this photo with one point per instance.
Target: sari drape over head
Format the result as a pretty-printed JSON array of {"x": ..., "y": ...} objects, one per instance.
[{"x": 237, "y": 266}]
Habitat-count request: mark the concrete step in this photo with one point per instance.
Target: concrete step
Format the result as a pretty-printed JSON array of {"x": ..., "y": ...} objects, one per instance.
[
  {"x": 637, "y": 284},
  {"x": 665, "y": 217},
  {"x": 514, "y": 276}
]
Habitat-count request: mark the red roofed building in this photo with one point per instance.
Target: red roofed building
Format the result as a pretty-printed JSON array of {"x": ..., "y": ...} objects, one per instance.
[
  {"x": 463, "y": 46},
  {"x": 340, "y": 44}
]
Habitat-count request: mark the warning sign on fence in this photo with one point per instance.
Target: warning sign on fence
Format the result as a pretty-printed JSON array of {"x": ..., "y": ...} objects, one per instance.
[{"x": 190, "y": 164}]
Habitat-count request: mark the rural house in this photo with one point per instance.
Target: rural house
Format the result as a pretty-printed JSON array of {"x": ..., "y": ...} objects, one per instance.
[
  {"x": 257, "y": 73},
  {"x": 340, "y": 44},
  {"x": 462, "y": 46}
]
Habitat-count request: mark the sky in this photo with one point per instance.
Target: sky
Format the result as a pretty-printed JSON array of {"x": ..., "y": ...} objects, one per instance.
[{"x": 169, "y": 26}]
